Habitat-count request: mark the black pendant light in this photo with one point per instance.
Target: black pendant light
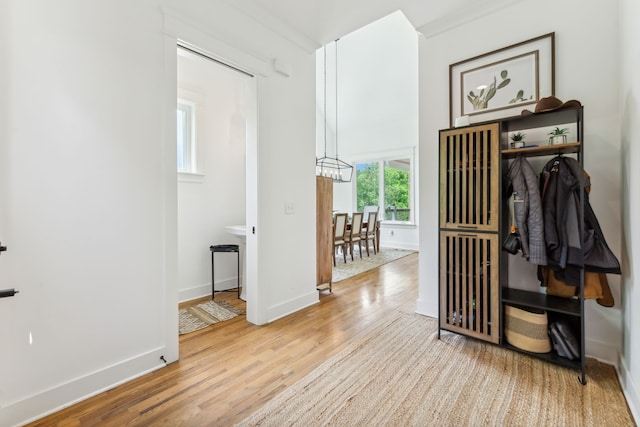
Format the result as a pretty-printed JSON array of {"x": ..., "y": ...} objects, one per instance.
[{"x": 332, "y": 167}]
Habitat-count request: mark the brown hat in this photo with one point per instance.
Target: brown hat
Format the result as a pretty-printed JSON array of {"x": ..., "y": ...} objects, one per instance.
[{"x": 551, "y": 103}]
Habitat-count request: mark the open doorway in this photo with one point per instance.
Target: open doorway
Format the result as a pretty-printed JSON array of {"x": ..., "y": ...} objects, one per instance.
[{"x": 215, "y": 104}]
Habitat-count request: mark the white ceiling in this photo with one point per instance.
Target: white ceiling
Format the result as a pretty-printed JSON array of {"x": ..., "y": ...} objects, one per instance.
[{"x": 313, "y": 23}]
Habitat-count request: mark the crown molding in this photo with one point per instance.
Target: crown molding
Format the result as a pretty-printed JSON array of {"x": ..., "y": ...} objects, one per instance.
[
  {"x": 469, "y": 14},
  {"x": 275, "y": 24}
]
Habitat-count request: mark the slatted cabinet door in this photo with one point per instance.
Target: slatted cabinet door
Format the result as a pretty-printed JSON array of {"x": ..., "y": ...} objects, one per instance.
[
  {"x": 469, "y": 225},
  {"x": 469, "y": 288},
  {"x": 469, "y": 178}
]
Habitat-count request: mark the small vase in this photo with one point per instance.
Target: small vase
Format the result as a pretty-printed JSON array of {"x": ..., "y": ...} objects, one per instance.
[{"x": 557, "y": 139}]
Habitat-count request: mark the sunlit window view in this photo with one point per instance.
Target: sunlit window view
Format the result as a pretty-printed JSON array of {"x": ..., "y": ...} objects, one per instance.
[
  {"x": 185, "y": 127},
  {"x": 387, "y": 180}
]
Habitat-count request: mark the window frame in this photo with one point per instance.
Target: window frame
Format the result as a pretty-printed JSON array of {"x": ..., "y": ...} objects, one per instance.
[
  {"x": 189, "y": 152},
  {"x": 381, "y": 158}
]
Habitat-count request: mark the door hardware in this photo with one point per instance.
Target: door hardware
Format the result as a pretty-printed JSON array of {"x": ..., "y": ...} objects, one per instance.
[{"x": 4, "y": 293}]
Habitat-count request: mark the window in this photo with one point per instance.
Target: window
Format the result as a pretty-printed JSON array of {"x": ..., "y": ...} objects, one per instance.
[
  {"x": 186, "y": 133},
  {"x": 367, "y": 182},
  {"x": 388, "y": 180}
]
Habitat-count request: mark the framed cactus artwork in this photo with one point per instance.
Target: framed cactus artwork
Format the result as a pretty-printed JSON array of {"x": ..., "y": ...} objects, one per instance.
[{"x": 503, "y": 82}]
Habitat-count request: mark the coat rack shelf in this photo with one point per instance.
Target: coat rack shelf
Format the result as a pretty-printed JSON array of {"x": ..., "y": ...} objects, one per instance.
[{"x": 475, "y": 287}]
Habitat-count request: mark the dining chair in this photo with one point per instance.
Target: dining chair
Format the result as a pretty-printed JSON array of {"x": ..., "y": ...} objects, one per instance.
[
  {"x": 369, "y": 233},
  {"x": 339, "y": 235},
  {"x": 355, "y": 235}
]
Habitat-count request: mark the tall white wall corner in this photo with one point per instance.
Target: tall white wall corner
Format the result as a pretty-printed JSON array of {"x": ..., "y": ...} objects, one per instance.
[{"x": 282, "y": 67}]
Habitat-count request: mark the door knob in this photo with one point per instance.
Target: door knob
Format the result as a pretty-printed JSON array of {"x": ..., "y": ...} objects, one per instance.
[{"x": 2, "y": 248}]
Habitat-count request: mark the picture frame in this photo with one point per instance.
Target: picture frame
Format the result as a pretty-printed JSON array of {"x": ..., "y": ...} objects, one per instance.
[{"x": 503, "y": 82}]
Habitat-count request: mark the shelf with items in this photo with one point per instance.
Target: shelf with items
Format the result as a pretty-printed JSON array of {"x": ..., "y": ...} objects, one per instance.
[
  {"x": 547, "y": 119},
  {"x": 551, "y": 356},
  {"x": 524, "y": 298},
  {"x": 572, "y": 319},
  {"x": 569, "y": 311},
  {"x": 473, "y": 213},
  {"x": 538, "y": 128},
  {"x": 542, "y": 150}
]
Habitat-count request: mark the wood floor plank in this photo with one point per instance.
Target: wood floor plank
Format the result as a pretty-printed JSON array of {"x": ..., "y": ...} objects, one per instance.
[{"x": 230, "y": 369}]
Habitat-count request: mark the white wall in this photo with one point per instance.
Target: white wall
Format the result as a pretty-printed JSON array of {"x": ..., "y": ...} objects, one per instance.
[
  {"x": 630, "y": 158},
  {"x": 83, "y": 201},
  {"x": 214, "y": 198},
  {"x": 586, "y": 69},
  {"x": 89, "y": 195},
  {"x": 377, "y": 106}
]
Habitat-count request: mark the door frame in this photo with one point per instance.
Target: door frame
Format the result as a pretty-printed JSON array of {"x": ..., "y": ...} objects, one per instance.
[{"x": 178, "y": 32}]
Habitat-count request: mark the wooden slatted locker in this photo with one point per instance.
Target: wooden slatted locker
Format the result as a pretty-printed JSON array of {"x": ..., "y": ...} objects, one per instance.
[
  {"x": 469, "y": 178},
  {"x": 469, "y": 224},
  {"x": 469, "y": 284}
]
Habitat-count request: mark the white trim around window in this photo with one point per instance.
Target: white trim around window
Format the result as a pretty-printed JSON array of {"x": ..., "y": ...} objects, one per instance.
[{"x": 186, "y": 136}]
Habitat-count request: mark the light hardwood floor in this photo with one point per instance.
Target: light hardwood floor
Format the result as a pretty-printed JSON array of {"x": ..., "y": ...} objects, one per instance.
[{"x": 229, "y": 370}]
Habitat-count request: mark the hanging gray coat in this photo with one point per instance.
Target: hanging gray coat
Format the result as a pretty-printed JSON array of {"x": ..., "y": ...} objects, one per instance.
[{"x": 528, "y": 210}]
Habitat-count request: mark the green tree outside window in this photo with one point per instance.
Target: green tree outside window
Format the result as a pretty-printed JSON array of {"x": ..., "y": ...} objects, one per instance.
[
  {"x": 367, "y": 181},
  {"x": 396, "y": 188}
]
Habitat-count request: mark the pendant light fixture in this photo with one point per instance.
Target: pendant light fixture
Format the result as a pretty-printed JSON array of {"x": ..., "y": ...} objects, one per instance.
[{"x": 332, "y": 167}]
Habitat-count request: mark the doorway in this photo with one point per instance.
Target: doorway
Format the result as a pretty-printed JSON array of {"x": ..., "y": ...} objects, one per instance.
[{"x": 216, "y": 122}]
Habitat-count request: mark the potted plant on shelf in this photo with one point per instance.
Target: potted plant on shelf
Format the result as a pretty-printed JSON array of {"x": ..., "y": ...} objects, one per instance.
[
  {"x": 558, "y": 136},
  {"x": 517, "y": 140}
]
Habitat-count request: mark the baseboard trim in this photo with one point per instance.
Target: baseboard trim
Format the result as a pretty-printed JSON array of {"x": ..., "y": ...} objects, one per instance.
[
  {"x": 64, "y": 395},
  {"x": 401, "y": 245},
  {"x": 291, "y": 306},
  {"x": 629, "y": 388},
  {"x": 189, "y": 294},
  {"x": 422, "y": 307},
  {"x": 604, "y": 352}
]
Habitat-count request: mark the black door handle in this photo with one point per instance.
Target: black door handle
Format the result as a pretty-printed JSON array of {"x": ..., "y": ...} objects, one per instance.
[
  {"x": 8, "y": 293},
  {"x": 2, "y": 248}
]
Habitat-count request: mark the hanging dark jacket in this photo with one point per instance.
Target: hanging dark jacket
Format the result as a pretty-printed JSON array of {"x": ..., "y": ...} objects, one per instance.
[{"x": 568, "y": 252}]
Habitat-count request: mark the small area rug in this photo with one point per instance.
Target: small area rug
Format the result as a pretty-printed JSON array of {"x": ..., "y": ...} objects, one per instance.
[
  {"x": 344, "y": 270},
  {"x": 202, "y": 315},
  {"x": 397, "y": 373}
]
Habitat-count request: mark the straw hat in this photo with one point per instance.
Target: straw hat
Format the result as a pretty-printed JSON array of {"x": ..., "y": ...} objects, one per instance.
[{"x": 551, "y": 103}]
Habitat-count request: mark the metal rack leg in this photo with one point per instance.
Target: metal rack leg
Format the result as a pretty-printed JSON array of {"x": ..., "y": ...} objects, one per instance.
[{"x": 213, "y": 280}]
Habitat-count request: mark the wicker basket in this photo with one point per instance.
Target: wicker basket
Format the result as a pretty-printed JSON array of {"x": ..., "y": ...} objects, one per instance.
[{"x": 526, "y": 330}]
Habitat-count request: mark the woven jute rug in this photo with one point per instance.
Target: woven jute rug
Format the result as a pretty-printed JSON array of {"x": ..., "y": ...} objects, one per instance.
[
  {"x": 359, "y": 265},
  {"x": 194, "y": 318},
  {"x": 399, "y": 374}
]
